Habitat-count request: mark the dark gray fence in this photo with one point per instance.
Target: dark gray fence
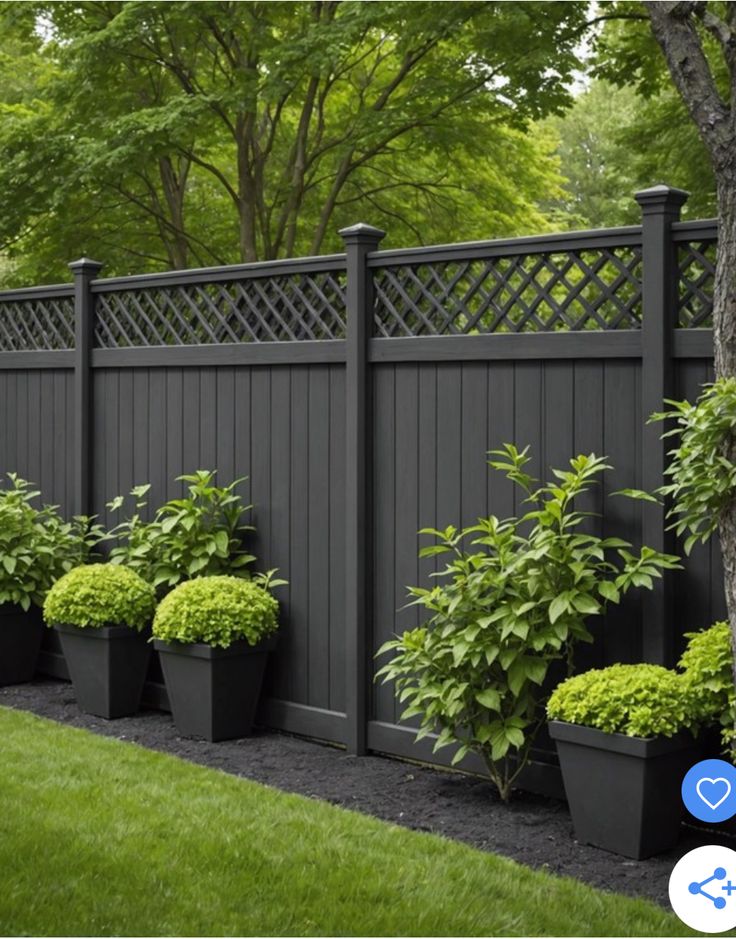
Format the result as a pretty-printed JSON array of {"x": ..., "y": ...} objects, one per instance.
[{"x": 360, "y": 393}]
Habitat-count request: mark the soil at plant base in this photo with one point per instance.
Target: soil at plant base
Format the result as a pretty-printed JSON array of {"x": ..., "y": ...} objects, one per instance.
[{"x": 534, "y": 830}]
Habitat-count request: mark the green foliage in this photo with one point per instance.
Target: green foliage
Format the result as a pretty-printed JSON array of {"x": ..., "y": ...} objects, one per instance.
[
  {"x": 515, "y": 597},
  {"x": 707, "y": 663},
  {"x": 97, "y": 595},
  {"x": 159, "y": 846},
  {"x": 599, "y": 144},
  {"x": 196, "y": 536},
  {"x": 636, "y": 700},
  {"x": 185, "y": 134},
  {"x": 37, "y": 545},
  {"x": 702, "y": 467},
  {"x": 216, "y": 610}
]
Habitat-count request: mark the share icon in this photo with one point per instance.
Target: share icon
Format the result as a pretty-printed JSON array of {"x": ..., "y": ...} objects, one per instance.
[
  {"x": 707, "y": 904},
  {"x": 696, "y": 887}
]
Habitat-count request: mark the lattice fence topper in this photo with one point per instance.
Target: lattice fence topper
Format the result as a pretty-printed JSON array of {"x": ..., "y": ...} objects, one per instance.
[
  {"x": 272, "y": 309},
  {"x": 597, "y": 288},
  {"x": 42, "y": 324},
  {"x": 697, "y": 264}
]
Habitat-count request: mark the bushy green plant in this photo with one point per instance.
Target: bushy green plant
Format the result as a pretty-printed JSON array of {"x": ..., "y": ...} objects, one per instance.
[
  {"x": 100, "y": 595},
  {"x": 707, "y": 665},
  {"x": 218, "y": 610},
  {"x": 196, "y": 536},
  {"x": 37, "y": 545},
  {"x": 636, "y": 700},
  {"x": 513, "y": 601},
  {"x": 702, "y": 468}
]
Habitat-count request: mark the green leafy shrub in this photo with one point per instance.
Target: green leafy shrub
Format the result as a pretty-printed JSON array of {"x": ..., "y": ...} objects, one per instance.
[
  {"x": 100, "y": 595},
  {"x": 707, "y": 665},
  {"x": 37, "y": 545},
  {"x": 512, "y": 602},
  {"x": 636, "y": 700},
  {"x": 702, "y": 469},
  {"x": 199, "y": 535},
  {"x": 217, "y": 610}
]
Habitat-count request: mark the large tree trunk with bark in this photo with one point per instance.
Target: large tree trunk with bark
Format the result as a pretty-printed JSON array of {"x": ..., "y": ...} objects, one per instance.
[
  {"x": 678, "y": 27},
  {"x": 724, "y": 338}
]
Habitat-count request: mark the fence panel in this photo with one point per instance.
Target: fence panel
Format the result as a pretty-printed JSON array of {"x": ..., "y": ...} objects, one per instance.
[{"x": 360, "y": 394}]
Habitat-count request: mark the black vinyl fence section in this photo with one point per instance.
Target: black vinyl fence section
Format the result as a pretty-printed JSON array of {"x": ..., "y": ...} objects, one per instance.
[{"x": 359, "y": 393}]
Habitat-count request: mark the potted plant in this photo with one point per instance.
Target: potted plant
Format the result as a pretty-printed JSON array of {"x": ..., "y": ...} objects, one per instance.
[
  {"x": 625, "y": 738},
  {"x": 707, "y": 667},
  {"x": 36, "y": 547},
  {"x": 101, "y": 613},
  {"x": 213, "y": 635}
]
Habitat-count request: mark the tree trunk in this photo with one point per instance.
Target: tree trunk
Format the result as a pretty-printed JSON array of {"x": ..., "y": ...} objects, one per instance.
[
  {"x": 724, "y": 337},
  {"x": 174, "y": 187}
]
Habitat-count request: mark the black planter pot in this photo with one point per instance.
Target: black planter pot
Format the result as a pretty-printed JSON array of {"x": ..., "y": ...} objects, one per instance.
[
  {"x": 213, "y": 692},
  {"x": 624, "y": 792},
  {"x": 107, "y": 667},
  {"x": 20, "y": 639}
]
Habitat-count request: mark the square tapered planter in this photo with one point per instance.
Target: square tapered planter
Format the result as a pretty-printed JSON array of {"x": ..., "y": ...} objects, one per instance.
[
  {"x": 213, "y": 692},
  {"x": 20, "y": 640},
  {"x": 107, "y": 666},
  {"x": 624, "y": 792}
]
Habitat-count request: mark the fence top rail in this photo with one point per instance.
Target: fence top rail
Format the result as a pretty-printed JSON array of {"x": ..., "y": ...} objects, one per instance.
[
  {"x": 705, "y": 228},
  {"x": 629, "y": 236},
  {"x": 47, "y": 291},
  {"x": 209, "y": 275}
]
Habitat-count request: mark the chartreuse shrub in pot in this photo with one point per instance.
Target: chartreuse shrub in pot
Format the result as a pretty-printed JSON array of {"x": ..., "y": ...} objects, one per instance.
[
  {"x": 103, "y": 613},
  {"x": 213, "y": 635},
  {"x": 36, "y": 547},
  {"x": 707, "y": 668},
  {"x": 514, "y": 597},
  {"x": 625, "y": 739}
]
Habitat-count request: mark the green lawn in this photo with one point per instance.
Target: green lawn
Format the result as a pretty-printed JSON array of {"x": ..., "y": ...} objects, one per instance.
[{"x": 99, "y": 837}]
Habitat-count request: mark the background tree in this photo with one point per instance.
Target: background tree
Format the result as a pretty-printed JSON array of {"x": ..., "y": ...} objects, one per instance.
[
  {"x": 210, "y": 132},
  {"x": 613, "y": 141}
]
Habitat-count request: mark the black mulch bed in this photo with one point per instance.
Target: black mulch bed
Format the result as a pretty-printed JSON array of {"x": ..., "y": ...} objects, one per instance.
[{"x": 533, "y": 830}]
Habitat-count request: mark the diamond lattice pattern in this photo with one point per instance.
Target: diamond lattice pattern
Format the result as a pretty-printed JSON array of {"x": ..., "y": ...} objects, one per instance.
[
  {"x": 587, "y": 289},
  {"x": 274, "y": 309},
  {"x": 37, "y": 325},
  {"x": 697, "y": 263}
]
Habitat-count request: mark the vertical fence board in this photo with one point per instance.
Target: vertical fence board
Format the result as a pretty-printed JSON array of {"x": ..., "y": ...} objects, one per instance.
[
  {"x": 298, "y": 569},
  {"x": 317, "y": 540},
  {"x": 621, "y": 441},
  {"x": 474, "y": 442},
  {"x": 384, "y": 516},
  {"x": 336, "y": 567}
]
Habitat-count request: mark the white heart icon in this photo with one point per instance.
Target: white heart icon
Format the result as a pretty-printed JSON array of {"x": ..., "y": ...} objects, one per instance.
[{"x": 714, "y": 782}]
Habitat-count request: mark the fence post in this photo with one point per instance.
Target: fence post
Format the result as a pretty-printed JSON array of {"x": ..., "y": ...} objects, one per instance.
[
  {"x": 85, "y": 271},
  {"x": 359, "y": 241},
  {"x": 660, "y": 206}
]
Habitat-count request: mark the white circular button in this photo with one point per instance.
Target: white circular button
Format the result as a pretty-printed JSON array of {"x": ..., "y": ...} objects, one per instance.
[{"x": 703, "y": 889}]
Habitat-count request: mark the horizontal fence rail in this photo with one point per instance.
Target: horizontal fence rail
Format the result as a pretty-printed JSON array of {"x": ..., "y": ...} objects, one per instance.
[{"x": 359, "y": 392}]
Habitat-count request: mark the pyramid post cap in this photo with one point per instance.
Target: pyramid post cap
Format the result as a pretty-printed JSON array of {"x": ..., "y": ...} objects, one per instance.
[
  {"x": 362, "y": 232},
  {"x": 85, "y": 264},
  {"x": 661, "y": 195}
]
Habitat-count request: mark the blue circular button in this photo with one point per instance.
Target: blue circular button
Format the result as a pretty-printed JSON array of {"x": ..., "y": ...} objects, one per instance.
[{"x": 709, "y": 790}]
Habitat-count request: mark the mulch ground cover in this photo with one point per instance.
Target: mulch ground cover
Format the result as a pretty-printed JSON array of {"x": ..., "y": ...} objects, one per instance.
[{"x": 533, "y": 830}]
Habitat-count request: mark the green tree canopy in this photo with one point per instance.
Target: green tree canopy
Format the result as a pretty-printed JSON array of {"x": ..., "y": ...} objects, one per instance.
[
  {"x": 614, "y": 141},
  {"x": 177, "y": 134}
]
